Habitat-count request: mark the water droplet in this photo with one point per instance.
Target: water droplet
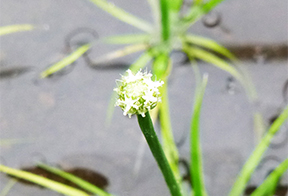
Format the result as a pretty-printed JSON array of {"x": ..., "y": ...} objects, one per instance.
[
  {"x": 212, "y": 19},
  {"x": 231, "y": 85},
  {"x": 259, "y": 55}
]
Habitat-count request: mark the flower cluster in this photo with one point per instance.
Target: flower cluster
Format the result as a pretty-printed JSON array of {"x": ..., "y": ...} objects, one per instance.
[{"x": 137, "y": 93}]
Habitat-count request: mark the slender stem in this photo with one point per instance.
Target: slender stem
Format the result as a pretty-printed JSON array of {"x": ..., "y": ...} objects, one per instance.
[
  {"x": 169, "y": 145},
  {"x": 164, "y": 6},
  {"x": 147, "y": 128}
]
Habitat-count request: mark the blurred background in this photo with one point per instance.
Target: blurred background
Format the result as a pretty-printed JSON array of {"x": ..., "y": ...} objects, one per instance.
[{"x": 62, "y": 120}]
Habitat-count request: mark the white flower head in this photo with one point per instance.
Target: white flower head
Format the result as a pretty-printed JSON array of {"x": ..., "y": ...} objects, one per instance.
[{"x": 137, "y": 94}]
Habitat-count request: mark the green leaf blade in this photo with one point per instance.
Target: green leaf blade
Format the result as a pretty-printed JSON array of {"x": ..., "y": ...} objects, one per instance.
[
  {"x": 56, "y": 186},
  {"x": 196, "y": 167},
  {"x": 211, "y": 58},
  {"x": 199, "y": 10},
  {"x": 270, "y": 183},
  {"x": 15, "y": 28},
  {"x": 66, "y": 61},
  {"x": 78, "y": 181},
  {"x": 127, "y": 39},
  {"x": 209, "y": 44},
  {"x": 255, "y": 158},
  {"x": 123, "y": 15}
]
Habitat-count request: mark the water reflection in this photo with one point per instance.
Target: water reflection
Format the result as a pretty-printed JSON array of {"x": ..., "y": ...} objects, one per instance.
[{"x": 13, "y": 71}]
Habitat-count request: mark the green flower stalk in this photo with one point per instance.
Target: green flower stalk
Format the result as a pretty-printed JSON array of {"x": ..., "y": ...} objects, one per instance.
[{"x": 137, "y": 95}]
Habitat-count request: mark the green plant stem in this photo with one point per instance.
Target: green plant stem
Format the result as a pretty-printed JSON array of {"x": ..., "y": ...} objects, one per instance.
[
  {"x": 169, "y": 145},
  {"x": 175, "y": 5},
  {"x": 161, "y": 70},
  {"x": 165, "y": 22},
  {"x": 249, "y": 167},
  {"x": 147, "y": 129}
]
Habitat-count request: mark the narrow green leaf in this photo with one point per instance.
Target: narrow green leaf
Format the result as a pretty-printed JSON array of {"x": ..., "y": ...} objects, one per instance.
[
  {"x": 249, "y": 167},
  {"x": 209, "y": 44},
  {"x": 155, "y": 9},
  {"x": 218, "y": 62},
  {"x": 120, "y": 53},
  {"x": 214, "y": 46},
  {"x": 127, "y": 39},
  {"x": 66, "y": 61},
  {"x": 141, "y": 62},
  {"x": 267, "y": 188},
  {"x": 56, "y": 186},
  {"x": 123, "y": 15},
  {"x": 76, "y": 180},
  {"x": 196, "y": 168},
  {"x": 198, "y": 10},
  {"x": 207, "y": 7},
  {"x": 8, "y": 187},
  {"x": 15, "y": 28}
]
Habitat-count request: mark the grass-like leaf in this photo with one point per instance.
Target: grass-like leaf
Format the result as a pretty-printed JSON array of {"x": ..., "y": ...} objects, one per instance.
[
  {"x": 66, "y": 61},
  {"x": 78, "y": 181},
  {"x": 127, "y": 39},
  {"x": 15, "y": 28},
  {"x": 120, "y": 53},
  {"x": 8, "y": 187},
  {"x": 155, "y": 9},
  {"x": 196, "y": 168},
  {"x": 56, "y": 186},
  {"x": 141, "y": 62},
  {"x": 209, "y": 44},
  {"x": 249, "y": 167},
  {"x": 213, "y": 59},
  {"x": 197, "y": 11},
  {"x": 268, "y": 187},
  {"x": 123, "y": 15}
]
